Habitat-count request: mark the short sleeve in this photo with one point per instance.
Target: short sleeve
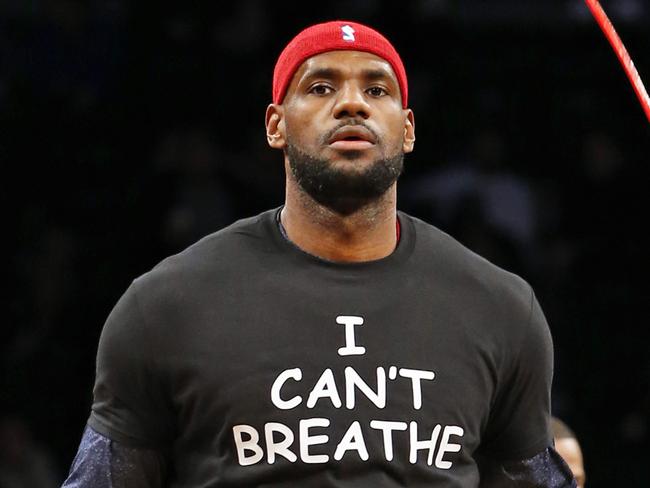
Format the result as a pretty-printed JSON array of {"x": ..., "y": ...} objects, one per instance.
[
  {"x": 519, "y": 423},
  {"x": 128, "y": 399}
]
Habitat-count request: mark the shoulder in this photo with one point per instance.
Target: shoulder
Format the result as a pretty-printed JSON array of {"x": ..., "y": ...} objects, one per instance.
[
  {"x": 237, "y": 240},
  {"x": 219, "y": 256},
  {"x": 444, "y": 258}
]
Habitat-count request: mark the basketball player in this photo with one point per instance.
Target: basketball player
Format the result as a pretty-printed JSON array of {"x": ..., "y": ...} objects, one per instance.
[{"x": 331, "y": 342}]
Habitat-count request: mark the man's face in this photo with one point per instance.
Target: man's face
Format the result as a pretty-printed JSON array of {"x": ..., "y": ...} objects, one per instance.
[
  {"x": 343, "y": 128},
  {"x": 570, "y": 451}
]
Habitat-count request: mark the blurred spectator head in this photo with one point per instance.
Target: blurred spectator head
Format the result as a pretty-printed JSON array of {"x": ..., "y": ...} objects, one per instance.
[
  {"x": 566, "y": 444},
  {"x": 602, "y": 158},
  {"x": 23, "y": 463},
  {"x": 15, "y": 439},
  {"x": 488, "y": 150},
  {"x": 191, "y": 153}
]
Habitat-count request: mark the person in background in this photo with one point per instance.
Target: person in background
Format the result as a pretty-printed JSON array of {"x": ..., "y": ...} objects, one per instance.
[
  {"x": 24, "y": 463},
  {"x": 567, "y": 445}
]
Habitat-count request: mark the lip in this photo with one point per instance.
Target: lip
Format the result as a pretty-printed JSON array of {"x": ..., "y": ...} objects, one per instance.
[
  {"x": 356, "y": 145},
  {"x": 351, "y": 138}
]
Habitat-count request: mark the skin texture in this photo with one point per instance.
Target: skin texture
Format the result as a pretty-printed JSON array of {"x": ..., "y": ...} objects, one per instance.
[
  {"x": 570, "y": 451},
  {"x": 332, "y": 91}
]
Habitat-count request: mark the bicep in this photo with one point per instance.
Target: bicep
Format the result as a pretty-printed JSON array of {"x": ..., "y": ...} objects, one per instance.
[
  {"x": 519, "y": 423},
  {"x": 129, "y": 403},
  {"x": 103, "y": 463}
]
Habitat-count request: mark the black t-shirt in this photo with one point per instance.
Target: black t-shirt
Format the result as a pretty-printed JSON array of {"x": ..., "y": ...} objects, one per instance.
[{"x": 252, "y": 363}]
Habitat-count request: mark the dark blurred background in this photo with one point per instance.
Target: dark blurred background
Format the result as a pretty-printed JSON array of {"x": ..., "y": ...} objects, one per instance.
[{"x": 128, "y": 131}]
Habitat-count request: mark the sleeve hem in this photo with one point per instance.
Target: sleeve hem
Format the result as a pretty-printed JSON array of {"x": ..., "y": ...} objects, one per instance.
[
  {"x": 101, "y": 427},
  {"x": 525, "y": 453}
]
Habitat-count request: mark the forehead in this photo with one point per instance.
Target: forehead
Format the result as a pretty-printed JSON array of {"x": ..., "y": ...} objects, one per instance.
[{"x": 345, "y": 64}]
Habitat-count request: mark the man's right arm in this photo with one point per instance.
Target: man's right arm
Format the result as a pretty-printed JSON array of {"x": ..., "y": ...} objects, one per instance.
[
  {"x": 129, "y": 427},
  {"x": 103, "y": 463}
]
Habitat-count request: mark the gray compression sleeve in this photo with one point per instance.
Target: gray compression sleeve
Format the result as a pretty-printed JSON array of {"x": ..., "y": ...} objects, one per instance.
[
  {"x": 103, "y": 463},
  {"x": 547, "y": 469},
  {"x": 544, "y": 470}
]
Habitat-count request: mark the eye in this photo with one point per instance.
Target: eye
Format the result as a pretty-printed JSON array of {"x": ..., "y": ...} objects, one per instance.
[
  {"x": 376, "y": 91},
  {"x": 320, "y": 89}
]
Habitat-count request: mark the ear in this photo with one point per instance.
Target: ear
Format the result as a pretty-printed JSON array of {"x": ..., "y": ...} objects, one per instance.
[
  {"x": 275, "y": 131},
  {"x": 409, "y": 132}
]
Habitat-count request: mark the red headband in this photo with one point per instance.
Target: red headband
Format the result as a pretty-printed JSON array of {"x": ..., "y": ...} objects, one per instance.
[{"x": 334, "y": 36}]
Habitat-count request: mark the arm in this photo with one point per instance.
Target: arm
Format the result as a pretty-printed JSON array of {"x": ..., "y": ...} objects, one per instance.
[
  {"x": 544, "y": 470},
  {"x": 517, "y": 451},
  {"x": 103, "y": 463},
  {"x": 128, "y": 428}
]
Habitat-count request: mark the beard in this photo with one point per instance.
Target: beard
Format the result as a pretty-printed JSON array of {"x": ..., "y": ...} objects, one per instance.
[{"x": 343, "y": 190}]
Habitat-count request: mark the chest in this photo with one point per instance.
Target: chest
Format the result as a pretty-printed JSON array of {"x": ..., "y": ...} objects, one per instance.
[{"x": 333, "y": 374}]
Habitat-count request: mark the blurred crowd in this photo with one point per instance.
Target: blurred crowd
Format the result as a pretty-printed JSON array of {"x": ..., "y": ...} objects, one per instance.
[{"x": 128, "y": 132}]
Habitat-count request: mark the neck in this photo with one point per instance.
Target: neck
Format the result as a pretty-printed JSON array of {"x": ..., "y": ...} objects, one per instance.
[{"x": 367, "y": 234}]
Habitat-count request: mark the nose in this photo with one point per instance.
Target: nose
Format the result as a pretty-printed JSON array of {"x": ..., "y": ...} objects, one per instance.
[{"x": 351, "y": 102}]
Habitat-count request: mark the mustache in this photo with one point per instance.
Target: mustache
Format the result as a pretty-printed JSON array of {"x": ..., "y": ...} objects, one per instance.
[{"x": 348, "y": 123}]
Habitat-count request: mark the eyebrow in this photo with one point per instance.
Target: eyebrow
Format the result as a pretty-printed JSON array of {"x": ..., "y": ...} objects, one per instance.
[{"x": 333, "y": 73}]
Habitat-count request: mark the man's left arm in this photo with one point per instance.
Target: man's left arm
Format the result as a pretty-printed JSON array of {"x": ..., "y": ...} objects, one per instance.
[
  {"x": 518, "y": 450},
  {"x": 544, "y": 470}
]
